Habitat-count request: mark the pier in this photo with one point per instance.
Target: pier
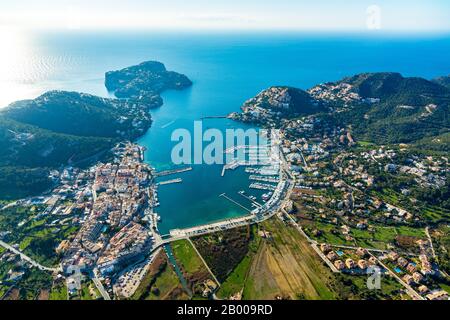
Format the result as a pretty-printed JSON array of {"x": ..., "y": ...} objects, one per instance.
[
  {"x": 264, "y": 178},
  {"x": 230, "y": 166},
  {"x": 172, "y": 171},
  {"x": 213, "y": 117},
  {"x": 262, "y": 186},
  {"x": 235, "y": 202},
  {"x": 177, "y": 180},
  {"x": 256, "y": 203}
]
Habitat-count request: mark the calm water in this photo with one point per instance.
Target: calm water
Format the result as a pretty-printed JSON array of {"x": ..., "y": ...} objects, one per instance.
[{"x": 226, "y": 70}]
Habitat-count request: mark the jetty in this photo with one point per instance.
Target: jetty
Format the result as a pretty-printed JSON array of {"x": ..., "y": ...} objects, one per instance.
[
  {"x": 172, "y": 171},
  {"x": 213, "y": 117},
  {"x": 177, "y": 180}
]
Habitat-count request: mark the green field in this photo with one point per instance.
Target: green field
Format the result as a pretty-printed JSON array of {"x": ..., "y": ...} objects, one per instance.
[{"x": 187, "y": 257}]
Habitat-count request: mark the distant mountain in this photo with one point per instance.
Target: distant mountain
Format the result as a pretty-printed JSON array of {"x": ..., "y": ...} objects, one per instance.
[
  {"x": 393, "y": 86},
  {"x": 146, "y": 79},
  {"x": 443, "y": 81},
  {"x": 380, "y": 107},
  {"x": 394, "y": 109},
  {"x": 28, "y": 152}
]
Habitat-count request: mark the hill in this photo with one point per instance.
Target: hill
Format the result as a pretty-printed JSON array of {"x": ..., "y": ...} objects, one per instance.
[
  {"x": 81, "y": 115},
  {"x": 394, "y": 109},
  {"x": 279, "y": 102},
  {"x": 443, "y": 81}
]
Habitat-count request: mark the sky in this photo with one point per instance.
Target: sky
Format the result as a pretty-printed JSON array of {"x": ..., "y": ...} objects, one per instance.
[{"x": 319, "y": 15}]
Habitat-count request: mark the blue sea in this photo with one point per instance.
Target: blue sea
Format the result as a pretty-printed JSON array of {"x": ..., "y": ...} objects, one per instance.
[{"x": 226, "y": 70}]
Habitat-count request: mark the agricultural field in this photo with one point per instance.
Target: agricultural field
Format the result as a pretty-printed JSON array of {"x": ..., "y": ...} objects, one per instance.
[
  {"x": 280, "y": 265},
  {"x": 286, "y": 267}
]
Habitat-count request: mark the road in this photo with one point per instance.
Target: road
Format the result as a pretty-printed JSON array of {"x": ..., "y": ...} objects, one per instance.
[
  {"x": 99, "y": 285},
  {"x": 27, "y": 258},
  {"x": 427, "y": 232},
  {"x": 411, "y": 292}
]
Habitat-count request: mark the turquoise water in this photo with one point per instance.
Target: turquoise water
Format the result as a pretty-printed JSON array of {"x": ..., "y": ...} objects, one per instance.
[{"x": 226, "y": 69}]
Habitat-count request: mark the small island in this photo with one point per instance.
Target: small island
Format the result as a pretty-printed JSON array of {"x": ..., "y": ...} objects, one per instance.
[{"x": 144, "y": 81}]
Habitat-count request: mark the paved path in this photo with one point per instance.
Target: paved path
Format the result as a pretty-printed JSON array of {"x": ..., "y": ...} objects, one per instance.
[{"x": 26, "y": 258}]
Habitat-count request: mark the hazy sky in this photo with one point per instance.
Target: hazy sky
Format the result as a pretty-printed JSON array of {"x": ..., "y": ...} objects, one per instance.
[{"x": 356, "y": 15}]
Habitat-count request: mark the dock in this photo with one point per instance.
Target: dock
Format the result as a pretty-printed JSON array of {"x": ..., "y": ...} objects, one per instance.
[
  {"x": 172, "y": 171},
  {"x": 264, "y": 178},
  {"x": 262, "y": 186},
  {"x": 177, "y": 180}
]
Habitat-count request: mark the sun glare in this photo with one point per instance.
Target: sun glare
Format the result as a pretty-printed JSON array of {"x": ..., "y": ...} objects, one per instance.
[{"x": 13, "y": 61}]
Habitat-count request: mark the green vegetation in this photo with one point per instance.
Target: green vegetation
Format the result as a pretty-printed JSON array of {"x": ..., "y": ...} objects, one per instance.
[
  {"x": 280, "y": 264},
  {"x": 160, "y": 282},
  {"x": 36, "y": 237},
  {"x": 146, "y": 79},
  {"x": 355, "y": 288},
  {"x": 58, "y": 291},
  {"x": 234, "y": 283},
  {"x": 223, "y": 251},
  {"x": 186, "y": 256},
  {"x": 194, "y": 270}
]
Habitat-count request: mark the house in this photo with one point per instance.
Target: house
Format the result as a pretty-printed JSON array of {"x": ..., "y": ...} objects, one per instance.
[
  {"x": 362, "y": 264},
  {"x": 361, "y": 252},
  {"x": 372, "y": 261},
  {"x": 408, "y": 279},
  {"x": 332, "y": 256},
  {"x": 324, "y": 247},
  {"x": 417, "y": 277},
  {"x": 393, "y": 256},
  {"x": 349, "y": 263},
  {"x": 402, "y": 262},
  {"x": 423, "y": 289},
  {"x": 339, "y": 264},
  {"x": 438, "y": 295},
  {"x": 411, "y": 268}
]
